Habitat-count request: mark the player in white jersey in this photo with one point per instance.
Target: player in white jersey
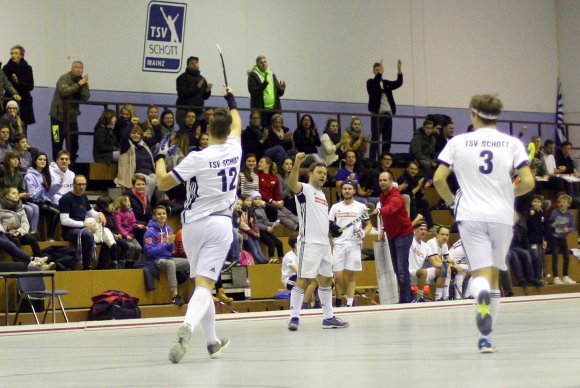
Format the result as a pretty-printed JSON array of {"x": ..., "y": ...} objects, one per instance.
[
  {"x": 347, "y": 247},
  {"x": 420, "y": 254},
  {"x": 461, "y": 265},
  {"x": 314, "y": 255},
  {"x": 210, "y": 177},
  {"x": 438, "y": 245},
  {"x": 483, "y": 162}
]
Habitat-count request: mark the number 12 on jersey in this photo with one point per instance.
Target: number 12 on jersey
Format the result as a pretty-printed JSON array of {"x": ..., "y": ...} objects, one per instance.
[{"x": 233, "y": 173}]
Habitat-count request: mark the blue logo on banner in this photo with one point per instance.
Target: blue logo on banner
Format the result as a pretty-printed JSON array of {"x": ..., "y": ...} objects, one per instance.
[{"x": 163, "y": 50}]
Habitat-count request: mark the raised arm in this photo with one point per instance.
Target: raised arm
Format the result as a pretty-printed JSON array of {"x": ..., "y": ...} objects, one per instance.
[
  {"x": 293, "y": 182},
  {"x": 236, "y": 128}
]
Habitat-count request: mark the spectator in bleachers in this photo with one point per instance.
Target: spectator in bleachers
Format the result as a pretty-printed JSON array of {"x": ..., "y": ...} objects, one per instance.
[
  {"x": 75, "y": 210},
  {"x": 158, "y": 246},
  {"x": 104, "y": 205},
  {"x": 399, "y": 231},
  {"x": 555, "y": 182},
  {"x": 204, "y": 121},
  {"x": 125, "y": 122},
  {"x": 334, "y": 146},
  {"x": 167, "y": 123},
  {"x": 279, "y": 135},
  {"x": 13, "y": 178},
  {"x": 14, "y": 221},
  {"x": 415, "y": 185},
  {"x": 350, "y": 173},
  {"x": 105, "y": 145},
  {"x": 12, "y": 118},
  {"x": 265, "y": 90},
  {"x": 61, "y": 176},
  {"x": 203, "y": 142},
  {"x": 356, "y": 141},
  {"x": 140, "y": 204},
  {"x": 307, "y": 140},
  {"x": 564, "y": 159},
  {"x": 26, "y": 152},
  {"x": 126, "y": 224},
  {"x": 192, "y": 89},
  {"x": 266, "y": 228},
  {"x": 524, "y": 264},
  {"x": 285, "y": 191},
  {"x": 255, "y": 140},
  {"x": 70, "y": 86},
  {"x": 192, "y": 128},
  {"x": 4, "y": 140},
  {"x": 38, "y": 181},
  {"x": 536, "y": 229},
  {"x": 19, "y": 72},
  {"x": 151, "y": 126},
  {"x": 446, "y": 130},
  {"x": 369, "y": 181},
  {"x": 250, "y": 230},
  {"x": 136, "y": 158},
  {"x": 5, "y": 84},
  {"x": 249, "y": 180},
  {"x": 422, "y": 146},
  {"x": 560, "y": 223},
  {"x": 270, "y": 192}
]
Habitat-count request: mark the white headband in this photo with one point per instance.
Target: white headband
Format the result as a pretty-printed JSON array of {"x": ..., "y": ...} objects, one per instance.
[{"x": 483, "y": 115}]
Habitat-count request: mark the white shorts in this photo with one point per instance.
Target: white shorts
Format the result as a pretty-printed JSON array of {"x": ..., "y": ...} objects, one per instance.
[
  {"x": 430, "y": 279},
  {"x": 207, "y": 242},
  {"x": 347, "y": 257},
  {"x": 486, "y": 244},
  {"x": 313, "y": 260}
]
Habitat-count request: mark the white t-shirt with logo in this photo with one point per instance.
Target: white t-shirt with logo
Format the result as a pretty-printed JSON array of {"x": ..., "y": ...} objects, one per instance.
[
  {"x": 312, "y": 210},
  {"x": 342, "y": 214},
  {"x": 418, "y": 253}
]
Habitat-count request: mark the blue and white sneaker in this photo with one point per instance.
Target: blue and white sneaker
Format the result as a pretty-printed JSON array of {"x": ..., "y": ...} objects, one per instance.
[
  {"x": 293, "y": 324},
  {"x": 483, "y": 314},
  {"x": 334, "y": 323},
  {"x": 485, "y": 346}
]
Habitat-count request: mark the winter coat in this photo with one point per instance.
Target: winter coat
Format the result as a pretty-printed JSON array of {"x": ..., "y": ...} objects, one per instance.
[
  {"x": 24, "y": 86},
  {"x": 156, "y": 242},
  {"x": 13, "y": 214},
  {"x": 68, "y": 88},
  {"x": 104, "y": 144},
  {"x": 422, "y": 146},
  {"x": 142, "y": 214},
  {"x": 126, "y": 222},
  {"x": 256, "y": 86}
]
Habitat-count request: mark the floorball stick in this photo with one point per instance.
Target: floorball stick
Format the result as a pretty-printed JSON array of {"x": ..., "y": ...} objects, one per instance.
[{"x": 223, "y": 65}]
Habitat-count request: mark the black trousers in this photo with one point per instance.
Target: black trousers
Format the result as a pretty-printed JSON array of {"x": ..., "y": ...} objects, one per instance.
[{"x": 381, "y": 130}]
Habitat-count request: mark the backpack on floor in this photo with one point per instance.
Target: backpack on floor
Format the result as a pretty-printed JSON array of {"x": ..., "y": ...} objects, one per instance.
[{"x": 113, "y": 304}]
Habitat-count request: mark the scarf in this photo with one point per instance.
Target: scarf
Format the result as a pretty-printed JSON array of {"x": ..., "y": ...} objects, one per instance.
[
  {"x": 354, "y": 135},
  {"x": 142, "y": 198},
  {"x": 8, "y": 205},
  {"x": 258, "y": 130},
  {"x": 334, "y": 137}
]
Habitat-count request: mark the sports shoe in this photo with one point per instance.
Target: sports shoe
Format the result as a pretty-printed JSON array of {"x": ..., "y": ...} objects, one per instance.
[
  {"x": 40, "y": 260},
  {"x": 483, "y": 315},
  {"x": 179, "y": 348},
  {"x": 418, "y": 300},
  {"x": 177, "y": 300},
  {"x": 568, "y": 280},
  {"x": 48, "y": 267},
  {"x": 293, "y": 324},
  {"x": 217, "y": 348},
  {"x": 485, "y": 346},
  {"x": 334, "y": 323},
  {"x": 557, "y": 281},
  {"x": 221, "y": 294}
]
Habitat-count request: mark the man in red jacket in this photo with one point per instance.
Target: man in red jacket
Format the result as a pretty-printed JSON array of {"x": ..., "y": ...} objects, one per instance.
[{"x": 399, "y": 231}]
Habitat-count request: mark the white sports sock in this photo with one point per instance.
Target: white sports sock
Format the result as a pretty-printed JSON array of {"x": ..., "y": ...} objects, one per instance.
[
  {"x": 296, "y": 299},
  {"x": 438, "y": 293},
  {"x": 349, "y": 302},
  {"x": 494, "y": 305},
  {"x": 197, "y": 307},
  {"x": 208, "y": 325},
  {"x": 325, "y": 295}
]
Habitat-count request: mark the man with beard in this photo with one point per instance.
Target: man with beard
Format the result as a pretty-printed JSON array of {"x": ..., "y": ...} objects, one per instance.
[{"x": 192, "y": 90}]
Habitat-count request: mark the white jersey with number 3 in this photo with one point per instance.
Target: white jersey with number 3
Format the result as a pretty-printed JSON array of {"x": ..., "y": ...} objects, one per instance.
[
  {"x": 211, "y": 179},
  {"x": 483, "y": 161}
]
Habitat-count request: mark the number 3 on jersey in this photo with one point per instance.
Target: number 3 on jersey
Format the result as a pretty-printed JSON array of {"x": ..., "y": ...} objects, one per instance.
[
  {"x": 233, "y": 172},
  {"x": 487, "y": 166}
]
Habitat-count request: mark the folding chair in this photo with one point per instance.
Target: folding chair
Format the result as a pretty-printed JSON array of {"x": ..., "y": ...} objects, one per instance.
[{"x": 33, "y": 288}]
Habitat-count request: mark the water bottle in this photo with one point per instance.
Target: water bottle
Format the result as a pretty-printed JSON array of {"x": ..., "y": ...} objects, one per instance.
[
  {"x": 444, "y": 267},
  {"x": 248, "y": 290}
]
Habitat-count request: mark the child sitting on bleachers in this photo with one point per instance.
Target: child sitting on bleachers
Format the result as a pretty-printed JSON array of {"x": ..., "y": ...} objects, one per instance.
[
  {"x": 559, "y": 225},
  {"x": 536, "y": 228},
  {"x": 126, "y": 224},
  {"x": 104, "y": 205},
  {"x": 250, "y": 230}
]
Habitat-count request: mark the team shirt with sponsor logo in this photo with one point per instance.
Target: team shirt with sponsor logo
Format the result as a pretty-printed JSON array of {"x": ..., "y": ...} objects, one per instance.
[
  {"x": 342, "y": 214},
  {"x": 312, "y": 215},
  {"x": 440, "y": 250},
  {"x": 211, "y": 178},
  {"x": 483, "y": 161}
]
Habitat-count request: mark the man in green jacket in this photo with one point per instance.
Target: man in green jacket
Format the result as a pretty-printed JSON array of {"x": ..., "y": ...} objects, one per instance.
[
  {"x": 265, "y": 90},
  {"x": 70, "y": 86},
  {"x": 423, "y": 147}
]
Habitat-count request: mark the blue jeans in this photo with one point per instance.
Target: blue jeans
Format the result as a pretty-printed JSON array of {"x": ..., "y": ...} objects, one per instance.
[{"x": 400, "y": 247}]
